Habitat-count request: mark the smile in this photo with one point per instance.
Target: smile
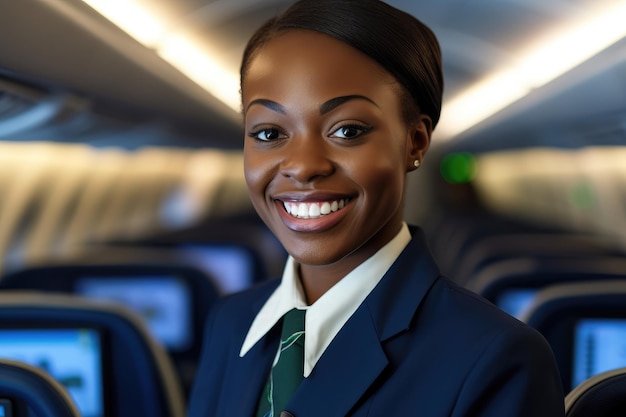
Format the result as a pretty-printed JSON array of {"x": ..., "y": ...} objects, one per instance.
[{"x": 314, "y": 210}]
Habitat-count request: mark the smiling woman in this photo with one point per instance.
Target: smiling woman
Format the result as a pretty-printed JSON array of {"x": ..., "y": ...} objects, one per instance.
[
  {"x": 333, "y": 133},
  {"x": 340, "y": 99}
]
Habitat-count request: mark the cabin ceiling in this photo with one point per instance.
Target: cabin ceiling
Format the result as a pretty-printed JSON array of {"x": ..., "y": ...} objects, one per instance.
[{"x": 63, "y": 51}]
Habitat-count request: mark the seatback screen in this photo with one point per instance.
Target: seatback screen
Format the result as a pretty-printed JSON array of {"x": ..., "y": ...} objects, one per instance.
[
  {"x": 71, "y": 356},
  {"x": 599, "y": 346},
  {"x": 163, "y": 302},
  {"x": 232, "y": 267}
]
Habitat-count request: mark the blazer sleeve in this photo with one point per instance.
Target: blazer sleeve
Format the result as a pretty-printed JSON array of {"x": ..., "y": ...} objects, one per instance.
[{"x": 516, "y": 376}]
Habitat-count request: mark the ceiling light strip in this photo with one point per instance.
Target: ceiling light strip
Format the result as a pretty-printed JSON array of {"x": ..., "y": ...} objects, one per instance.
[
  {"x": 194, "y": 61},
  {"x": 551, "y": 58}
]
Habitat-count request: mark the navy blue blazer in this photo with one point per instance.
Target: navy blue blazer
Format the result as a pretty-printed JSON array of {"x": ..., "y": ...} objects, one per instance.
[{"x": 419, "y": 345}]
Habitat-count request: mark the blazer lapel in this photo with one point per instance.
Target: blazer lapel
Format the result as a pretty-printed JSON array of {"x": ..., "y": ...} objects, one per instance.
[
  {"x": 254, "y": 369},
  {"x": 356, "y": 357},
  {"x": 347, "y": 368},
  {"x": 394, "y": 302}
]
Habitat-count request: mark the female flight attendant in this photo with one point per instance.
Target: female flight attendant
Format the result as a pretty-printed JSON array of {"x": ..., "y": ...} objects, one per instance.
[{"x": 340, "y": 98}]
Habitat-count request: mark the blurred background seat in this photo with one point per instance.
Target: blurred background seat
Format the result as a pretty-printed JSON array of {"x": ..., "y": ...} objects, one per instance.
[
  {"x": 545, "y": 245},
  {"x": 173, "y": 299},
  {"x": 27, "y": 391},
  {"x": 585, "y": 324},
  {"x": 602, "y": 395},
  {"x": 102, "y": 353},
  {"x": 512, "y": 284}
]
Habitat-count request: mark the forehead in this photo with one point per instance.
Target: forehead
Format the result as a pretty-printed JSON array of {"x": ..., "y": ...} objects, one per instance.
[{"x": 309, "y": 62}]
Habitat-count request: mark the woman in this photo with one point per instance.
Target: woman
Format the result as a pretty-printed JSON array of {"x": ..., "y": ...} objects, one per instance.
[{"x": 340, "y": 98}]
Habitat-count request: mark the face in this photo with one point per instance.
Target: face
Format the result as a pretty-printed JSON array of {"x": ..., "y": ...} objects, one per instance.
[{"x": 326, "y": 149}]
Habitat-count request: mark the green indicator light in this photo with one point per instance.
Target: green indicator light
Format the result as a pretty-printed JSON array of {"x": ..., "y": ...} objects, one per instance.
[
  {"x": 458, "y": 168},
  {"x": 582, "y": 196}
]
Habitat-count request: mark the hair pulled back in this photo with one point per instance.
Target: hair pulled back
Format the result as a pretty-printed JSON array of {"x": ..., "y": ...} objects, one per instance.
[{"x": 397, "y": 41}]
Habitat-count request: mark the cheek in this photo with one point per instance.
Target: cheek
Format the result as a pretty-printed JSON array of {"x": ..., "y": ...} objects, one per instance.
[
  {"x": 380, "y": 171},
  {"x": 383, "y": 187},
  {"x": 255, "y": 173},
  {"x": 385, "y": 182}
]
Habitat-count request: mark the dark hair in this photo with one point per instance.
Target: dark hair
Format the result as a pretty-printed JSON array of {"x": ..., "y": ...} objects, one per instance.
[{"x": 399, "y": 42}]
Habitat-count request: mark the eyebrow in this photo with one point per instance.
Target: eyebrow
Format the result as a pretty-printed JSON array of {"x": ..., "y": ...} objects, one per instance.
[
  {"x": 272, "y": 105},
  {"x": 338, "y": 101},
  {"x": 326, "y": 107}
]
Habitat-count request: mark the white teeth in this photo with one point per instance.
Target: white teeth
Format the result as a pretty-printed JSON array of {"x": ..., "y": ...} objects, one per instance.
[
  {"x": 303, "y": 210},
  {"x": 314, "y": 210}
]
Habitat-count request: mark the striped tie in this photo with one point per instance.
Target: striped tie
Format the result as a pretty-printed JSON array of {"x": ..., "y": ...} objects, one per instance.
[{"x": 288, "y": 371}]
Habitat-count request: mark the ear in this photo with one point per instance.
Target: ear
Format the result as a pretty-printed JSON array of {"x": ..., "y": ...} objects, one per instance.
[{"x": 418, "y": 140}]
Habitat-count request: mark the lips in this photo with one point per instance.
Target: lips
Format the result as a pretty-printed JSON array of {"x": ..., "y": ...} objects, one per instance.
[{"x": 314, "y": 209}]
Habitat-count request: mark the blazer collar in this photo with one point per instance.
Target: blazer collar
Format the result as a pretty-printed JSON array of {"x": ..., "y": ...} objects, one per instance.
[
  {"x": 394, "y": 302},
  {"x": 356, "y": 356}
]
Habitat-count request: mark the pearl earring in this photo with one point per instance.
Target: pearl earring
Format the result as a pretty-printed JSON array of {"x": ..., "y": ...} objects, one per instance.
[{"x": 416, "y": 163}]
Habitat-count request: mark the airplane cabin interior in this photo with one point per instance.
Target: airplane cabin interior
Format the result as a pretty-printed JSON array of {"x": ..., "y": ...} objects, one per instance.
[{"x": 121, "y": 175}]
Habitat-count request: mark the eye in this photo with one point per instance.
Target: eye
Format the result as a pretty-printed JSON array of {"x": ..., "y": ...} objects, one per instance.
[
  {"x": 266, "y": 135},
  {"x": 350, "y": 131}
]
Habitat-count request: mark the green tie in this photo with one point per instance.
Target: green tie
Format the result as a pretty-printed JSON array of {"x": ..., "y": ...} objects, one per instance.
[{"x": 287, "y": 374}]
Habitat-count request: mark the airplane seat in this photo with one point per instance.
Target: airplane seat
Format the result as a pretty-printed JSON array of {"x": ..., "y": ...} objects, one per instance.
[
  {"x": 238, "y": 252},
  {"x": 602, "y": 395},
  {"x": 27, "y": 391},
  {"x": 512, "y": 284},
  {"x": 459, "y": 234},
  {"x": 585, "y": 324},
  {"x": 102, "y": 353},
  {"x": 541, "y": 245},
  {"x": 173, "y": 299},
  {"x": 233, "y": 266}
]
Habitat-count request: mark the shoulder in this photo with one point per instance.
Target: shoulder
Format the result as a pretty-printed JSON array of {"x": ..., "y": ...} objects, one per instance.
[
  {"x": 494, "y": 354},
  {"x": 228, "y": 322},
  {"x": 250, "y": 297},
  {"x": 468, "y": 313},
  {"x": 490, "y": 340}
]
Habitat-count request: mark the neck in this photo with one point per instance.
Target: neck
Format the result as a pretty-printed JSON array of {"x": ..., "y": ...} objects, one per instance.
[{"x": 317, "y": 279}]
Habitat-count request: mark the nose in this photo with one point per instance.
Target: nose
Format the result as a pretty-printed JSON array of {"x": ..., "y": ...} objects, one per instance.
[{"x": 306, "y": 159}]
